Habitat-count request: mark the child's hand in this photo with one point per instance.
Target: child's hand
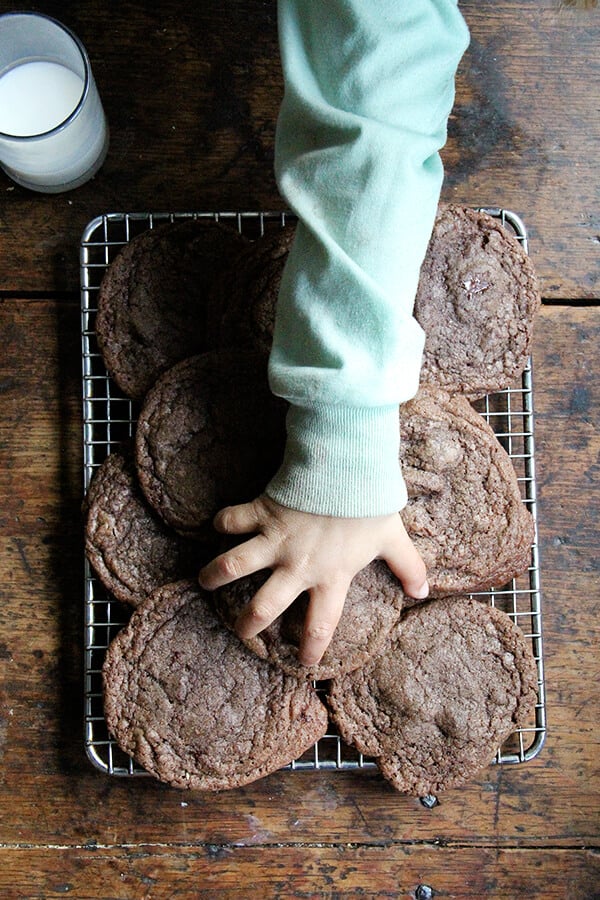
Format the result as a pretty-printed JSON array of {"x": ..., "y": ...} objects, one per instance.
[{"x": 306, "y": 552}]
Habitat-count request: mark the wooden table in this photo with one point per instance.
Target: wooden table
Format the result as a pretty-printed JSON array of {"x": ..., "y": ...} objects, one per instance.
[{"x": 191, "y": 92}]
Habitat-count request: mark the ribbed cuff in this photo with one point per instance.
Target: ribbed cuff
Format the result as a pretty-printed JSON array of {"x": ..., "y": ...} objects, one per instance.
[{"x": 341, "y": 461}]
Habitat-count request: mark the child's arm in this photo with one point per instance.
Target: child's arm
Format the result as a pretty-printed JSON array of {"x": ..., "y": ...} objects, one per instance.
[{"x": 368, "y": 90}]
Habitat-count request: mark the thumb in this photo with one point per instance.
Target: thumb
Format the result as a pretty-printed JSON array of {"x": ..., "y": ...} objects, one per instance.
[{"x": 406, "y": 563}]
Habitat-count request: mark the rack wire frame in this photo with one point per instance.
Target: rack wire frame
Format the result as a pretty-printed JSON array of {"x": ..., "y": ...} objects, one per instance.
[{"x": 109, "y": 419}]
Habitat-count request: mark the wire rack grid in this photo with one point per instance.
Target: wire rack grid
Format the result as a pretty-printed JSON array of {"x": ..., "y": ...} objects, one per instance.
[{"x": 109, "y": 418}]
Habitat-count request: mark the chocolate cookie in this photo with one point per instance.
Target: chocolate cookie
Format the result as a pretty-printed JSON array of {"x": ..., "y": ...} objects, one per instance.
[
  {"x": 372, "y": 608},
  {"x": 193, "y": 706},
  {"x": 129, "y": 547},
  {"x": 476, "y": 301},
  {"x": 210, "y": 433},
  {"x": 242, "y": 308},
  {"x": 152, "y": 302},
  {"x": 455, "y": 680},
  {"x": 464, "y": 512}
]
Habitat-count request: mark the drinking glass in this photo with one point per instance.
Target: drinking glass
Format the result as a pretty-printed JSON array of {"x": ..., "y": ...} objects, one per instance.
[{"x": 53, "y": 131}]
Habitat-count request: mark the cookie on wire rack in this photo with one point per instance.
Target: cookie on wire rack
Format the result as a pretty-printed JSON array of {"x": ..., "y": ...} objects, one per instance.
[
  {"x": 465, "y": 513},
  {"x": 193, "y": 706},
  {"x": 372, "y": 608},
  {"x": 455, "y": 680},
  {"x": 130, "y": 548},
  {"x": 244, "y": 299},
  {"x": 209, "y": 434},
  {"x": 476, "y": 302},
  {"x": 153, "y": 298}
]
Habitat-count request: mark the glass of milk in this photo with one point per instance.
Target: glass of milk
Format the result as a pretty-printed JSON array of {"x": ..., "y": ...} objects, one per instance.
[{"x": 53, "y": 132}]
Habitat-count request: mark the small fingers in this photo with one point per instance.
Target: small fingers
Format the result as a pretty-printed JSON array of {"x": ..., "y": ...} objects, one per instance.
[
  {"x": 244, "y": 559},
  {"x": 240, "y": 519},
  {"x": 277, "y": 593},
  {"x": 407, "y": 565},
  {"x": 324, "y": 613}
]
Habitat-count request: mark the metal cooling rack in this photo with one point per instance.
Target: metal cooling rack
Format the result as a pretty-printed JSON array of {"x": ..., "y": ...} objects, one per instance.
[{"x": 109, "y": 419}]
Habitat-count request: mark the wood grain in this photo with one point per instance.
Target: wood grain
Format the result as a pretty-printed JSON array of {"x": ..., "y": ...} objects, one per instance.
[
  {"x": 192, "y": 93},
  {"x": 212, "y": 871}
]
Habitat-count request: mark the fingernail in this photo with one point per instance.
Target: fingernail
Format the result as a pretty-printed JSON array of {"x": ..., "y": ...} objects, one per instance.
[
  {"x": 309, "y": 661},
  {"x": 202, "y": 582},
  {"x": 422, "y": 592}
]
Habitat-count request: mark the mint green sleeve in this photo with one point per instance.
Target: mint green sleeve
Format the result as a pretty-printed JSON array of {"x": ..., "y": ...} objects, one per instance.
[{"x": 369, "y": 86}]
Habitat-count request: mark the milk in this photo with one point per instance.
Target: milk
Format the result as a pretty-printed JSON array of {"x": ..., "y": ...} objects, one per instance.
[
  {"x": 37, "y": 96},
  {"x": 53, "y": 131}
]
